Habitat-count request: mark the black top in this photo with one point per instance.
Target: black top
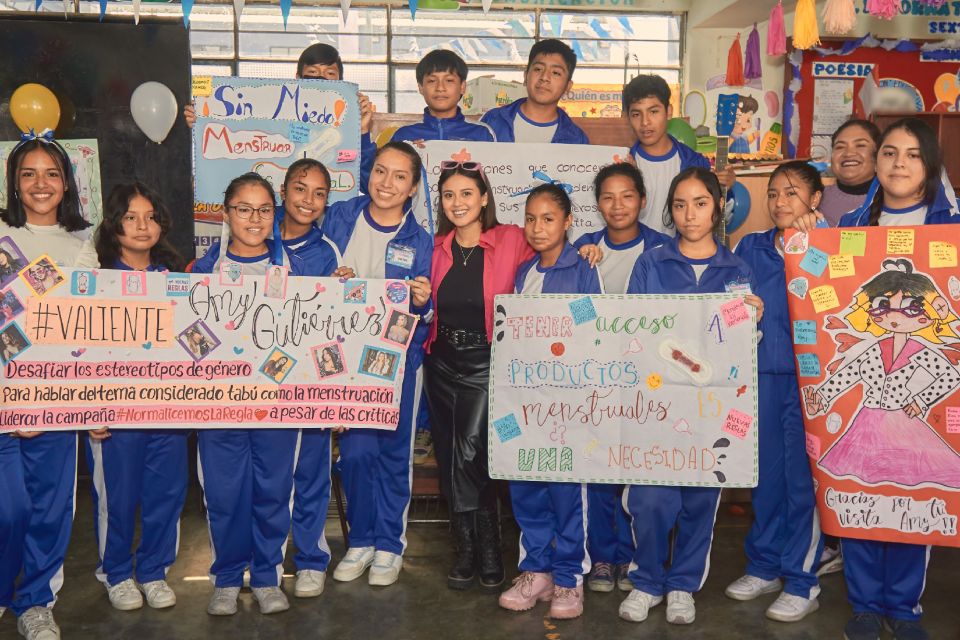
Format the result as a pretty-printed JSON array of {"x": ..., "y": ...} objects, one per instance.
[{"x": 460, "y": 296}]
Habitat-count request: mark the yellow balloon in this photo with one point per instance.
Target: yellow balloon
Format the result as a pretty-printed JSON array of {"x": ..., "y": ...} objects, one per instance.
[{"x": 33, "y": 106}]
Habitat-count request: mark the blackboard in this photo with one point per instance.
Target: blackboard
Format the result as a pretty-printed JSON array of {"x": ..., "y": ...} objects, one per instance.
[{"x": 93, "y": 68}]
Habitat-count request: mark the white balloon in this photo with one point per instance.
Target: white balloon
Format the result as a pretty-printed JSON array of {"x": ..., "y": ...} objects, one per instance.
[{"x": 154, "y": 109}]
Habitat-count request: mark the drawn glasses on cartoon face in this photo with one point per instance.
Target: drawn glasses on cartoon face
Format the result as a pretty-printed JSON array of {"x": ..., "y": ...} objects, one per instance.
[
  {"x": 245, "y": 211},
  {"x": 905, "y": 313}
]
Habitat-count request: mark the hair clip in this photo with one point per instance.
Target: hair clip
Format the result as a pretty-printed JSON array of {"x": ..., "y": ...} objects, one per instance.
[{"x": 45, "y": 136}]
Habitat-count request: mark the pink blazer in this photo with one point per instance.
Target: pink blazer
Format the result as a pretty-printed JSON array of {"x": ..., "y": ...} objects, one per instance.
[{"x": 504, "y": 249}]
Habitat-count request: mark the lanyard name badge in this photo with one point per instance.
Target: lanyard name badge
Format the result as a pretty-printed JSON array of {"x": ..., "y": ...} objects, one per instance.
[{"x": 400, "y": 255}]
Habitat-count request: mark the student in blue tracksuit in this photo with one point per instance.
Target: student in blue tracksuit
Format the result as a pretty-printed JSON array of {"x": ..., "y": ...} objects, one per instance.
[
  {"x": 442, "y": 81},
  {"x": 380, "y": 238},
  {"x": 247, "y": 474},
  {"x": 692, "y": 263},
  {"x": 885, "y": 580},
  {"x": 39, "y": 470},
  {"x": 137, "y": 468},
  {"x": 784, "y": 540},
  {"x": 551, "y": 515},
  {"x": 304, "y": 194},
  {"x": 658, "y": 155},
  {"x": 537, "y": 118},
  {"x": 620, "y": 194}
]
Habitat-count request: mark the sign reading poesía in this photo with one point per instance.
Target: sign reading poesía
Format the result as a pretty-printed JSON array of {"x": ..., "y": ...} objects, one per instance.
[
  {"x": 83, "y": 349},
  {"x": 652, "y": 389}
]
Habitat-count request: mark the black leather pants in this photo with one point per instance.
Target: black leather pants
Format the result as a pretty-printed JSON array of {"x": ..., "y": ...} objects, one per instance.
[{"x": 456, "y": 383}]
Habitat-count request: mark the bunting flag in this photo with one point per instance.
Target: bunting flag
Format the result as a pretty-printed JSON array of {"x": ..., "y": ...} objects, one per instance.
[
  {"x": 413, "y": 9},
  {"x": 37, "y": 5},
  {"x": 103, "y": 9},
  {"x": 486, "y": 5},
  {"x": 136, "y": 11},
  {"x": 625, "y": 23},
  {"x": 285, "y": 11},
  {"x": 344, "y": 10},
  {"x": 238, "y": 10},
  {"x": 187, "y": 9},
  {"x": 556, "y": 23}
]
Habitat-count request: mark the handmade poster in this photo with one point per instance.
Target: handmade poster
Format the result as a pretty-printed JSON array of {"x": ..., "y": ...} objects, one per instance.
[
  {"x": 264, "y": 125},
  {"x": 90, "y": 348},
  {"x": 515, "y": 169},
  {"x": 652, "y": 389},
  {"x": 84, "y": 155},
  {"x": 874, "y": 315}
]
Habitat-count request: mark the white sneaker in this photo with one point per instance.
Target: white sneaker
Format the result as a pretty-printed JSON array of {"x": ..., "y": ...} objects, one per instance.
[
  {"x": 680, "y": 608},
  {"x": 270, "y": 599},
  {"x": 636, "y": 606},
  {"x": 791, "y": 608},
  {"x": 386, "y": 569},
  {"x": 223, "y": 602},
  {"x": 831, "y": 561},
  {"x": 354, "y": 563},
  {"x": 125, "y": 596},
  {"x": 309, "y": 583},
  {"x": 37, "y": 623},
  {"x": 159, "y": 594},
  {"x": 749, "y": 587}
]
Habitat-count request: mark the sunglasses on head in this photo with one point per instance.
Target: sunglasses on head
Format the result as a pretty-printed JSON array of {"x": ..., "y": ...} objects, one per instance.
[{"x": 449, "y": 165}]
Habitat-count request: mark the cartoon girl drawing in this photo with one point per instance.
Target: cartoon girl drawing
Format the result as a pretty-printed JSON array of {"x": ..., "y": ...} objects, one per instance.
[{"x": 902, "y": 378}]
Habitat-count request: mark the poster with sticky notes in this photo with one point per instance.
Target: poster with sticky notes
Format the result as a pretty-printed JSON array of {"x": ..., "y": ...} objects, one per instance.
[
  {"x": 877, "y": 335},
  {"x": 265, "y": 125},
  {"x": 635, "y": 389},
  {"x": 89, "y": 348}
]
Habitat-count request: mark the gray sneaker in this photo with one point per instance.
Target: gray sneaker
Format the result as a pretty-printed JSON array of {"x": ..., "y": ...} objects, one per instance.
[
  {"x": 37, "y": 623},
  {"x": 223, "y": 602},
  {"x": 270, "y": 599}
]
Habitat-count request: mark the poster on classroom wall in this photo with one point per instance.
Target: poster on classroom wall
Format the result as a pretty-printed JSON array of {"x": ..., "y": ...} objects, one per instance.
[
  {"x": 875, "y": 329},
  {"x": 84, "y": 155},
  {"x": 756, "y": 129},
  {"x": 89, "y": 348},
  {"x": 656, "y": 390},
  {"x": 514, "y": 169},
  {"x": 264, "y": 125}
]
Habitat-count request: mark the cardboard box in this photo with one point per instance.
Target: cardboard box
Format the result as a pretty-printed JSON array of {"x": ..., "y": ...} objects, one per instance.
[{"x": 486, "y": 92}]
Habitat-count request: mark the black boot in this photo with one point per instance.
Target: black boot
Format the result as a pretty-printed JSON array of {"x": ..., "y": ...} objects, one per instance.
[
  {"x": 462, "y": 573},
  {"x": 488, "y": 539}
]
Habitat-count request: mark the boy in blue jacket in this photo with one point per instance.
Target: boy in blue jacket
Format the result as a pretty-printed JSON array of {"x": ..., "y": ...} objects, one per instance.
[
  {"x": 537, "y": 118},
  {"x": 658, "y": 155}
]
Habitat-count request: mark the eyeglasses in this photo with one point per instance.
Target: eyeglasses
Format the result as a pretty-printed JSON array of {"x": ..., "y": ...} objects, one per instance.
[
  {"x": 911, "y": 311},
  {"x": 244, "y": 211},
  {"x": 449, "y": 165}
]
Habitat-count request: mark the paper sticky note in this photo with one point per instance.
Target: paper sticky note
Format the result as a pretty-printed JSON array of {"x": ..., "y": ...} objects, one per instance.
[
  {"x": 841, "y": 266},
  {"x": 899, "y": 241},
  {"x": 734, "y": 312},
  {"x": 507, "y": 428},
  {"x": 813, "y": 446},
  {"x": 809, "y": 365},
  {"x": 853, "y": 243},
  {"x": 943, "y": 254},
  {"x": 824, "y": 298},
  {"x": 804, "y": 332},
  {"x": 737, "y": 424},
  {"x": 583, "y": 311},
  {"x": 953, "y": 419},
  {"x": 202, "y": 86},
  {"x": 298, "y": 133},
  {"x": 814, "y": 262}
]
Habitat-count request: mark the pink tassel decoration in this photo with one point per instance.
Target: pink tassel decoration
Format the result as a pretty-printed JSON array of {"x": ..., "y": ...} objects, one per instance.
[
  {"x": 735, "y": 65},
  {"x": 751, "y": 63},
  {"x": 885, "y": 9},
  {"x": 933, "y": 3},
  {"x": 777, "y": 33},
  {"x": 839, "y": 16}
]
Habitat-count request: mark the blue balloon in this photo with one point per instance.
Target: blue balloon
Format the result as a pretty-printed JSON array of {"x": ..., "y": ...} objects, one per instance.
[{"x": 741, "y": 207}]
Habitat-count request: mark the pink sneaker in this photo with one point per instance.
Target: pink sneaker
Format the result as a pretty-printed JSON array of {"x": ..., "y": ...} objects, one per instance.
[
  {"x": 567, "y": 602},
  {"x": 528, "y": 588}
]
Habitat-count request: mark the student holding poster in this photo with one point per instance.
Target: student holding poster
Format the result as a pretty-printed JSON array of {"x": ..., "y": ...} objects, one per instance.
[
  {"x": 886, "y": 579},
  {"x": 38, "y": 474},
  {"x": 784, "y": 540},
  {"x": 380, "y": 238},
  {"x": 137, "y": 468},
  {"x": 537, "y": 118},
  {"x": 692, "y": 263},
  {"x": 551, "y": 515},
  {"x": 247, "y": 474},
  {"x": 475, "y": 258}
]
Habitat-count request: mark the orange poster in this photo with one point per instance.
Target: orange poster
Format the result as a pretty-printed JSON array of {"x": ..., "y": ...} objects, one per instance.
[{"x": 874, "y": 315}]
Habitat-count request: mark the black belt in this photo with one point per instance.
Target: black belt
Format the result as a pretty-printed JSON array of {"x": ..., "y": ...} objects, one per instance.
[{"x": 463, "y": 337}]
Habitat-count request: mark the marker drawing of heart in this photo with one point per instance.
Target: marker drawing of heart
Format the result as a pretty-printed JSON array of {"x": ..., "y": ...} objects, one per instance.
[
  {"x": 320, "y": 287},
  {"x": 238, "y": 350},
  {"x": 230, "y": 326},
  {"x": 833, "y": 322},
  {"x": 147, "y": 345},
  {"x": 260, "y": 414},
  {"x": 206, "y": 281},
  {"x": 370, "y": 309},
  {"x": 79, "y": 352}
]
